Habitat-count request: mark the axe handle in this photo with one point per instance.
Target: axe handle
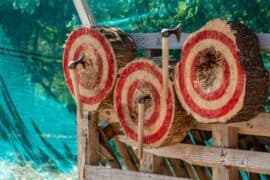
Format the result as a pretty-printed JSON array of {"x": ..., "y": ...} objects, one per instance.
[
  {"x": 81, "y": 154},
  {"x": 165, "y": 66},
  {"x": 76, "y": 94},
  {"x": 140, "y": 129}
]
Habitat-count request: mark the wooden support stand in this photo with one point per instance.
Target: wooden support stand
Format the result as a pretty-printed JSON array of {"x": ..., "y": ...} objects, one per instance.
[
  {"x": 224, "y": 136},
  {"x": 92, "y": 147},
  {"x": 151, "y": 163},
  {"x": 223, "y": 158}
]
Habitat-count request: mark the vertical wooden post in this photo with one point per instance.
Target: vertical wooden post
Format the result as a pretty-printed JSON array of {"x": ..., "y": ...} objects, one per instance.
[
  {"x": 151, "y": 163},
  {"x": 85, "y": 12},
  {"x": 224, "y": 136},
  {"x": 92, "y": 139}
]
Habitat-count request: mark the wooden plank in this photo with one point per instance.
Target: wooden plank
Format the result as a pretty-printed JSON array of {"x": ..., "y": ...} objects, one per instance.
[
  {"x": 104, "y": 142},
  {"x": 153, "y": 40},
  {"x": 151, "y": 163},
  {"x": 107, "y": 155},
  {"x": 225, "y": 136},
  {"x": 92, "y": 140},
  {"x": 121, "y": 147},
  {"x": 178, "y": 168},
  {"x": 164, "y": 170},
  {"x": 85, "y": 12},
  {"x": 257, "y": 126},
  {"x": 198, "y": 171},
  {"x": 252, "y": 161},
  {"x": 99, "y": 173},
  {"x": 191, "y": 171}
]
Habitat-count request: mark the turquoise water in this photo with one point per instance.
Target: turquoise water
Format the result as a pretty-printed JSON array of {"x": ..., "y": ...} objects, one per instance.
[{"x": 37, "y": 132}]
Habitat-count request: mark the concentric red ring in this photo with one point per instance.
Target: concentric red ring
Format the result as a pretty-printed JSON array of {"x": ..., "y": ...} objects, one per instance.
[
  {"x": 109, "y": 54},
  {"x": 212, "y": 95},
  {"x": 85, "y": 47},
  {"x": 187, "y": 98},
  {"x": 131, "y": 69},
  {"x": 155, "y": 95}
]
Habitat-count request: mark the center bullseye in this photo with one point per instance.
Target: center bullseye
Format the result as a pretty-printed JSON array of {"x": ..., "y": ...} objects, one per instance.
[
  {"x": 149, "y": 104},
  {"x": 208, "y": 69},
  {"x": 88, "y": 75}
]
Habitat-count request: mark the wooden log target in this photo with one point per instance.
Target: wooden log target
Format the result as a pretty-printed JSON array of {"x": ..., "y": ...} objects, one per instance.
[
  {"x": 220, "y": 76},
  {"x": 105, "y": 50},
  {"x": 142, "y": 77}
]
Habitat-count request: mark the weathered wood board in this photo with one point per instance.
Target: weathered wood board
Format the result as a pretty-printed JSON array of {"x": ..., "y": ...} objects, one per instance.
[
  {"x": 251, "y": 161},
  {"x": 99, "y": 173}
]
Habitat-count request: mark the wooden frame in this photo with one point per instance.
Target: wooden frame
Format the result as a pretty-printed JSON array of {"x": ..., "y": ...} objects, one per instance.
[
  {"x": 224, "y": 158},
  {"x": 258, "y": 162}
]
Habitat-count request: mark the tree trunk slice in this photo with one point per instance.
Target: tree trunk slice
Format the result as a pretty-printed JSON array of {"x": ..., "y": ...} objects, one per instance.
[
  {"x": 105, "y": 50},
  {"x": 164, "y": 122},
  {"x": 221, "y": 76}
]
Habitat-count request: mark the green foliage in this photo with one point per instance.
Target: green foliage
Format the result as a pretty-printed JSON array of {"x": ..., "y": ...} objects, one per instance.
[
  {"x": 40, "y": 27},
  {"x": 152, "y": 16}
]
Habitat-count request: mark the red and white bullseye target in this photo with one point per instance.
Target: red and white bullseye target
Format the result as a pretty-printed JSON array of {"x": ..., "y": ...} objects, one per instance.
[
  {"x": 97, "y": 78},
  {"x": 143, "y": 77},
  {"x": 210, "y": 82}
]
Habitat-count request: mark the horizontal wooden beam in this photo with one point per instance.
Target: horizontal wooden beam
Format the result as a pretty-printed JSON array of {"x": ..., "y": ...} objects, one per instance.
[
  {"x": 153, "y": 40},
  {"x": 257, "y": 126},
  {"x": 100, "y": 173},
  {"x": 257, "y": 162}
]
